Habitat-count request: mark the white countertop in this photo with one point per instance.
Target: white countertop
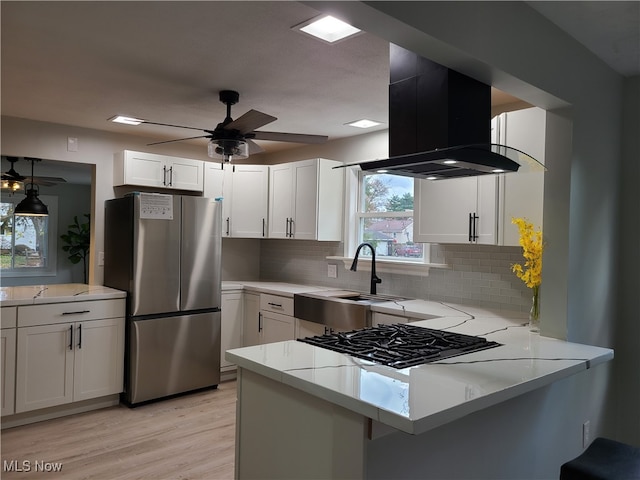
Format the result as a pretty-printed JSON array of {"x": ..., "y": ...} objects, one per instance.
[
  {"x": 420, "y": 398},
  {"x": 276, "y": 288},
  {"x": 58, "y": 293}
]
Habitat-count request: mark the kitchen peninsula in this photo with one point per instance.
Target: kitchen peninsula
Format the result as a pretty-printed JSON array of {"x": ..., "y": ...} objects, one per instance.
[{"x": 308, "y": 412}]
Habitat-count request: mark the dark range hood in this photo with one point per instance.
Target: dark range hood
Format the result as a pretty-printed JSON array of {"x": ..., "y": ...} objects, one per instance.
[{"x": 440, "y": 124}]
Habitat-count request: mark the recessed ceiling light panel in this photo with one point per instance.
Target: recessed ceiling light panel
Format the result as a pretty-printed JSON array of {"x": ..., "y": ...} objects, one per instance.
[
  {"x": 364, "y": 123},
  {"x": 327, "y": 28},
  {"x": 126, "y": 120}
]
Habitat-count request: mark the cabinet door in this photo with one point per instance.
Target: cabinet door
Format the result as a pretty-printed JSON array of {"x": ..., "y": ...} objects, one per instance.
[
  {"x": 185, "y": 174},
  {"x": 252, "y": 325},
  {"x": 280, "y": 200},
  {"x": 486, "y": 210},
  {"x": 8, "y": 371},
  {"x": 442, "y": 209},
  {"x": 231, "y": 328},
  {"x": 305, "y": 201},
  {"x": 99, "y": 358},
  {"x": 145, "y": 169},
  {"x": 44, "y": 366},
  {"x": 522, "y": 194},
  {"x": 249, "y": 200},
  {"x": 218, "y": 184},
  {"x": 277, "y": 327}
]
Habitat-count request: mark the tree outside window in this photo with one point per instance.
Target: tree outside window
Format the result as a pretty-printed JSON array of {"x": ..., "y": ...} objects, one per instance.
[
  {"x": 385, "y": 215},
  {"x": 24, "y": 242}
]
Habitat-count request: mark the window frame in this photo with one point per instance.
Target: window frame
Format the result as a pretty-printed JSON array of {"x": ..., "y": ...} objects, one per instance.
[
  {"x": 51, "y": 201},
  {"x": 353, "y": 186}
]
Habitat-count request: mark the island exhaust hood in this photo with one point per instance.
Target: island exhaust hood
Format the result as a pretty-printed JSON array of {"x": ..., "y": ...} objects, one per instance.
[{"x": 440, "y": 124}]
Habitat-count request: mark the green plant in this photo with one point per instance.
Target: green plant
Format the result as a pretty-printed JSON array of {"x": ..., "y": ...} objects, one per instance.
[{"x": 77, "y": 240}]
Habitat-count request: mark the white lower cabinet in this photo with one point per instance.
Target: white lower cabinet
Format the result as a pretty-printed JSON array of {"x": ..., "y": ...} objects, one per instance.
[
  {"x": 231, "y": 328},
  {"x": 276, "y": 327},
  {"x": 268, "y": 318},
  {"x": 8, "y": 371},
  {"x": 63, "y": 361}
]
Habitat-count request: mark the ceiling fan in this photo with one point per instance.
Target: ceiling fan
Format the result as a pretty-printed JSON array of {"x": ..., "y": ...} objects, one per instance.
[
  {"x": 234, "y": 138},
  {"x": 12, "y": 180}
]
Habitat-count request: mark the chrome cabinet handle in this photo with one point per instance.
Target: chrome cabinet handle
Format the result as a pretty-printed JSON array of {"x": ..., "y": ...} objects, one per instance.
[
  {"x": 279, "y": 305},
  {"x": 259, "y": 322},
  {"x": 79, "y": 312},
  {"x": 291, "y": 229},
  {"x": 171, "y": 176},
  {"x": 70, "y": 337},
  {"x": 263, "y": 227},
  {"x": 164, "y": 175},
  {"x": 80, "y": 336},
  {"x": 227, "y": 226}
]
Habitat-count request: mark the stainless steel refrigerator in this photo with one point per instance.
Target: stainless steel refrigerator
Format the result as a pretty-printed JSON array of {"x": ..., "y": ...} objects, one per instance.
[{"x": 165, "y": 251}]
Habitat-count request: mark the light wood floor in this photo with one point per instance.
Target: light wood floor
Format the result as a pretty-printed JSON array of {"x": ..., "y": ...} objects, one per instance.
[{"x": 187, "y": 437}]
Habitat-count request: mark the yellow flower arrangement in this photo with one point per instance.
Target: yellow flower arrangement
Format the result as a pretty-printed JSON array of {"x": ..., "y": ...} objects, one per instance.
[
  {"x": 531, "y": 272},
  {"x": 532, "y": 246}
]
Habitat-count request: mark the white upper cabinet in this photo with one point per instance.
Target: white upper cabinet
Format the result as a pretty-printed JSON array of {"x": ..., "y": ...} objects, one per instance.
[
  {"x": 521, "y": 194},
  {"x": 306, "y": 200},
  {"x": 160, "y": 171},
  {"x": 245, "y": 194},
  {"x": 459, "y": 210},
  {"x": 479, "y": 209}
]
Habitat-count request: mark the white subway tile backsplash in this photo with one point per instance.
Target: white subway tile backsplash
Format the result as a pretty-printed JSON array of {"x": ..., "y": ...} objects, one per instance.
[{"x": 478, "y": 275}]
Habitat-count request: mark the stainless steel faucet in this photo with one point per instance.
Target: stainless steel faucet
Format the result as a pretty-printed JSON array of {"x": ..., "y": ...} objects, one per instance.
[{"x": 354, "y": 266}]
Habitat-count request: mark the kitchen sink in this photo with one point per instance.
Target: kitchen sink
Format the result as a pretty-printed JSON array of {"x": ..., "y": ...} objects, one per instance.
[{"x": 340, "y": 309}]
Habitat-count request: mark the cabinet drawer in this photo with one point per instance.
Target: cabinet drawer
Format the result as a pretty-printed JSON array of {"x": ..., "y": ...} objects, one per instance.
[
  {"x": 276, "y": 303},
  {"x": 9, "y": 315},
  {"x": 52, "y": 313}
]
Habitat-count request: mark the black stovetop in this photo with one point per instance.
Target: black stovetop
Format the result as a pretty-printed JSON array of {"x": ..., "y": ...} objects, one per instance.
[{"x": 400, "y": 345}]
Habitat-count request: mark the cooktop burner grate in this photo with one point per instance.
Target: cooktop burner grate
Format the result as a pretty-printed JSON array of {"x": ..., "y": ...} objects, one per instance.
[{"x": 400, "y": 345}]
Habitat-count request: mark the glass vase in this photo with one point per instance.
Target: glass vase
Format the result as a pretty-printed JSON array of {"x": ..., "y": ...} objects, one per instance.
[{"x": 534, "y": 313}]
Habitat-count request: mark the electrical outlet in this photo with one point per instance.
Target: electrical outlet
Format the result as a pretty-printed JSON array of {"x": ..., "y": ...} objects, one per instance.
[
  {"x": 101, "y": 259},
  {"x": 586, "y": 434},
  {"x": 332, "y": 271}
]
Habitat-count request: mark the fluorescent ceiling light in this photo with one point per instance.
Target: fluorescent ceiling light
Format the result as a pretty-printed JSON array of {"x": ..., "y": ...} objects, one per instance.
[
  {"x": 364, "y": 123},
  {"x": 449, "y": 162},
  {"x": 126, "y": 120},
  {"x": 327, "y": 28}
]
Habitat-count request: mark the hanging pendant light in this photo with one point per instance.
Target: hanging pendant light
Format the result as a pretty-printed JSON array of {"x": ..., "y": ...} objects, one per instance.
[{"x": 31, "y": 204}]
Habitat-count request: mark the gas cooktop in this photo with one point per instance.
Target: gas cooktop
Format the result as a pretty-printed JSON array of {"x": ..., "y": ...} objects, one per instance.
[{"x": 400, "y": 345}]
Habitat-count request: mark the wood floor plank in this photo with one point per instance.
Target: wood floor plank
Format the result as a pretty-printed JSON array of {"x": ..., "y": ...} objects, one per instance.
[{"x": 188, "y": 437}]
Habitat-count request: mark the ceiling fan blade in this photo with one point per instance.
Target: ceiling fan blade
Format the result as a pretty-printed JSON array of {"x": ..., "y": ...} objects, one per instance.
[
  {"x": 177, "y": 140},
  {"x": 170, "y": 125},
  {"x": 290, "y": 137},
  {"x": 254, "y": 147},
  {"x": 250, "y": 121}
]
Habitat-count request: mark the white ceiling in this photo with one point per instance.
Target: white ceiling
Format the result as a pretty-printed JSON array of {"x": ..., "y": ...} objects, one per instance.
[{"x": 79, "y": 63}]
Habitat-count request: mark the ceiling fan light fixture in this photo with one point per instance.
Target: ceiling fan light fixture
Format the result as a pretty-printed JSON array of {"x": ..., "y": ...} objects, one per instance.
[
  {"x": 327, "y": 28},
  {"x": 13, "y": 185},
  {"x": 228, "y": 150},
  {"x": 31, "y": 205}
]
